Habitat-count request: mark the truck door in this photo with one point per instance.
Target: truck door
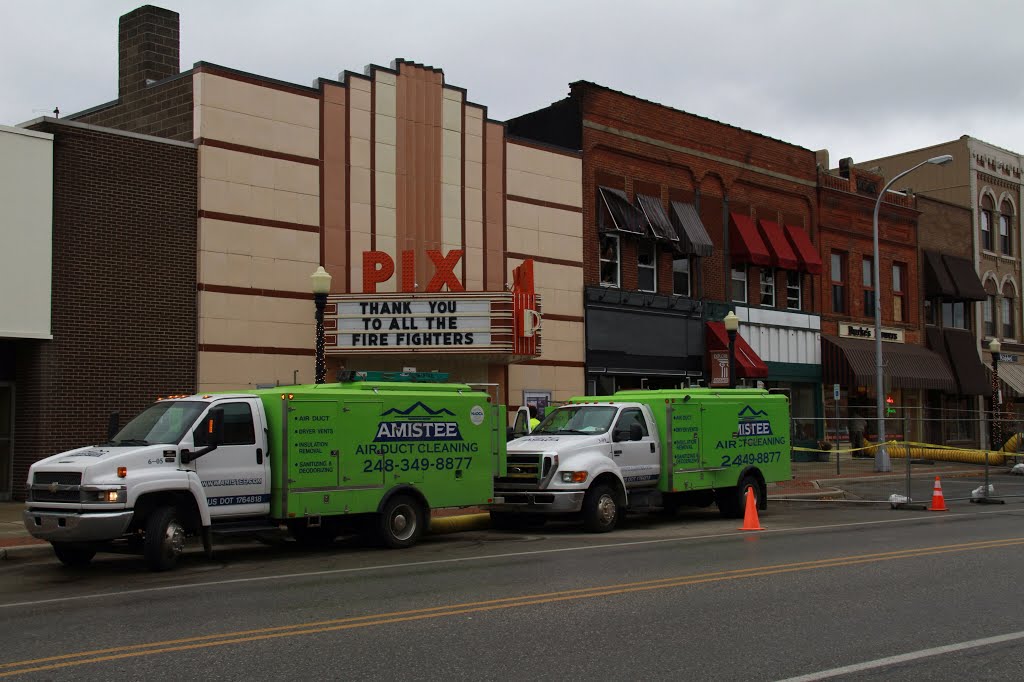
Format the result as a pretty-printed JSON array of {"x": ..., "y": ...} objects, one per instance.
[
  {"x": 363, "y": 463},
  {"x": 313, "y": 433},
  {"x": 637, "y": 459},
  {"x": 236, "y": 476}
]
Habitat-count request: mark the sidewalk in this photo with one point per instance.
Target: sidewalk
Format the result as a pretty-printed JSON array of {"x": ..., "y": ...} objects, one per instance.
[{"x": 811, "y": 480}]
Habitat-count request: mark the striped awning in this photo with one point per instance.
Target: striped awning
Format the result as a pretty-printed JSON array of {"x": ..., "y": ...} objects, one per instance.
[
  {"x": 851, "y": 362},
  {"x": 694, "y": 236}
]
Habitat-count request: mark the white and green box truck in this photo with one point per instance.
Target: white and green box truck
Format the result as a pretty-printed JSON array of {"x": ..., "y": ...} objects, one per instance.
[
  {"x": 644, "y": 450},
  {"x": 367, "y": 456}
]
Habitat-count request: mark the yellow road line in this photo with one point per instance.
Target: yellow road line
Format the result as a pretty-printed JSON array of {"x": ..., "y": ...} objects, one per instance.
[{"x": 334, "y": 625}]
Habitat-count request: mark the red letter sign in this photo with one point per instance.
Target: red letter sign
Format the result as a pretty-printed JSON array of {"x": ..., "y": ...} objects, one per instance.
[
  {"x": 377, "y": 267},
  {"x": 444, "y": 270}
]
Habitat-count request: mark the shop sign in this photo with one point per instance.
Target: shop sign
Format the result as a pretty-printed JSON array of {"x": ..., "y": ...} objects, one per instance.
[
  {"x": 719, "y": 369},
  {"x": 1007, "y": 357},
  {"x": 864, "y": 331}
]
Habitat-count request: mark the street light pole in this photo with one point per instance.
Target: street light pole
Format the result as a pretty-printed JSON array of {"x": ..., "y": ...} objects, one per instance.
[
  {"x": 882, "y": 462},
  {"x": 732, "y": 323},
  {"x": 321, "y": 280},
  {"x": 996, "y": 435}
]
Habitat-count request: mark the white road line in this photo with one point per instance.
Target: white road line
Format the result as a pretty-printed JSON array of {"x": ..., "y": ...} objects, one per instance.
[
  {"x": 903, "y": 658},
  {"x": 487, "y": 557}
]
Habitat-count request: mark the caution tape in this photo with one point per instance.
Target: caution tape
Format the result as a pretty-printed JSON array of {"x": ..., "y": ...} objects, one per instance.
[{"x": 933, "y": 451}]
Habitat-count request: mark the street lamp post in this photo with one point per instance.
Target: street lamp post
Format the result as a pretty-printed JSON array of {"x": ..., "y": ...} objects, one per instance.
[
  {"x": 996, "y": 435},
  {"x": 321, "y": 280},
  {"x": 882, "y": 462},
  {"x": 732, "y": 323},
  {"x": 997, "y": 404}
]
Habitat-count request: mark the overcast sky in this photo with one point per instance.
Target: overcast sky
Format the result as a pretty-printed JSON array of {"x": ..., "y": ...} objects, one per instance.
[{"x": 861, "y": 78}]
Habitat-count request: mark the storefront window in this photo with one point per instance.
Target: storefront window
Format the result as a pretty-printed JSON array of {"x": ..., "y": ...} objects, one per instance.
[
  {"x": 768, "y": 287},
  {"x": 838, "y": 283},
  {"x": 646, "y": 266},
  {"x": 990, "y": 315},
  {"x": 681, "y": 276},
  {"x": 794, "y": 292},
  {"x": 954, "y": 315},
  {"x": 610, "y": 260},
  {"x": 739, "y": 284},
  {"x": 868, "y": 282}
]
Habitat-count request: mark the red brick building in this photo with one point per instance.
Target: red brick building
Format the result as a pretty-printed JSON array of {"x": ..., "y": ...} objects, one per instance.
[
  {"x": 685, "y": 218},
  {"x": 918, "y": 369},
  {"x": 124, "y": 298}
]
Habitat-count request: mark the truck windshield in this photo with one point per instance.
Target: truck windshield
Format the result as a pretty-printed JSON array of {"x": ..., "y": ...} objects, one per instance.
[
  {"x": 578, "y": 419},
  {"x": 163, "y": 422}
]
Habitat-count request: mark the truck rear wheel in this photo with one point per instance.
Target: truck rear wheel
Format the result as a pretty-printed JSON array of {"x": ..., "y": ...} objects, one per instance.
[
  {"x": 165, "y": 539},
  {"x": 732, "y": 501},
  {"x": 73, "y": 556},
  {"x": 600, "y": 509},
  {"x": 401, "y": 522}
]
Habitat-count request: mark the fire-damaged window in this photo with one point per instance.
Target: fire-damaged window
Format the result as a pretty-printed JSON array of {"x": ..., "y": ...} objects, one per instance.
[{"x": 646, "y": 266}]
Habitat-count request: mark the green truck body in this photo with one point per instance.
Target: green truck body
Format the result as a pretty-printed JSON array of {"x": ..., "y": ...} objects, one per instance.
[{"x": 336, "y": 449}]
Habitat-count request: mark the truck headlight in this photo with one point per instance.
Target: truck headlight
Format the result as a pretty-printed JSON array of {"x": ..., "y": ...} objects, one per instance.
[
  {"x": 108, "y": 495},
  {"x": 574, "y": 476}
]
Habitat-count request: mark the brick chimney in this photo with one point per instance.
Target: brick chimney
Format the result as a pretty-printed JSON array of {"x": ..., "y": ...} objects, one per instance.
[{"x": 147, "y": 48}]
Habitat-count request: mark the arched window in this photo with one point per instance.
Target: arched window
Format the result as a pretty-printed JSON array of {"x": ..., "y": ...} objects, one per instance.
[
  {"x": 1007, "y": 317},
  {"x": 990, "y": 308},
  {"x": 986, "y": 222},
  {"x": 1006, "y": 228}
]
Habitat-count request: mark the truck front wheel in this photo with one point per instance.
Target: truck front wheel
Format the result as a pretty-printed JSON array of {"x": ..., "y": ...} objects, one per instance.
[
  {"x": 600, "y": 509},
  {"x": 401, "y": 522},
  {"x": 73, "y": 556},
  {"x": 165, "y": 539}
]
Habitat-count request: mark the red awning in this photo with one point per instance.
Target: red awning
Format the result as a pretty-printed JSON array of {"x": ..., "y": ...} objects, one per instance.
[
  {"x": 805, "y": 251},
  {"x": 782, "y": 253},
  {"x": 748, "y": 364},
  {"x": 745, "y": 243}
]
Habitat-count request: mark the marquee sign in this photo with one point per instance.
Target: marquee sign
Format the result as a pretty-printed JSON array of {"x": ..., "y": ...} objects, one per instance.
[{"x": 496, "y": 322}]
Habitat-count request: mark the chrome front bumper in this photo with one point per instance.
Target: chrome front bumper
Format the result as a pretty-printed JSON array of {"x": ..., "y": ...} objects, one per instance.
[
  {"x": 539, "y": 501},
  {"x": 59, "y": 526}
]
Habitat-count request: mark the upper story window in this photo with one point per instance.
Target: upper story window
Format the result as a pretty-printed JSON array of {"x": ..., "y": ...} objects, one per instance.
[
  {"x": 1006, "y": 228},
  {"x": 899, "y": 294},
  {"x": 868, "y": 283},
  {"x": 838, "y": 274},
  {"x": 646, "y": 266},
  {"x": 986, "y": 223},
  {"x": 681, "y": 276},
  {"x": 954, "y": 314},
  {"x": 739, "y": 283},
  {"x": 1008, "y": 316},
  {"x": 794, "y": 292},
  {"x": 990, "y": 315},
  {"x": 768, "y": 287},
  {"x": 610, "y": 260}
]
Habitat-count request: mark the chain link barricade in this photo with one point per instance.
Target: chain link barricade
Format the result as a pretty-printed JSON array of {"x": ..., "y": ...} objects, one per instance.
[{"x": 921, "y": 444}]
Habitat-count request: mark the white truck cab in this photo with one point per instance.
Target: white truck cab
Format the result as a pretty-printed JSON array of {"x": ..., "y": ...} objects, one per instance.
[
  {"x": 584, "y": 457},
  {"x": 84, "y": 498}
]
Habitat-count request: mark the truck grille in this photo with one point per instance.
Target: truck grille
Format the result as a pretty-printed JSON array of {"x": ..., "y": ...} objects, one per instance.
[
  {"x": 525, "y": 472},
  {"x": 55, "y": 486},
  {"x": 58, "y": 477}
]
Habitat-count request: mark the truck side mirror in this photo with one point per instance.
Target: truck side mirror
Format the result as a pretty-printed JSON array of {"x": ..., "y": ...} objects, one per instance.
[
  {"x": 213, "y": 428},
  {"x": 636, "y": 432}
]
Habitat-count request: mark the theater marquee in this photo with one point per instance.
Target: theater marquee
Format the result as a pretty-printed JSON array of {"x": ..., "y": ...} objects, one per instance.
[{"x": 488, "y": 322}]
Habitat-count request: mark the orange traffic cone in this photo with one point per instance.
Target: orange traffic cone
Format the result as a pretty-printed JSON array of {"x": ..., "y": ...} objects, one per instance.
[
  {"x": 750, "y": 521},
  {"x": 938, "y": 501}
]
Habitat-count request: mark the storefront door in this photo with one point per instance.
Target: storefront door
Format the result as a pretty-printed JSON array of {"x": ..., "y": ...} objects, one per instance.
[{"x": 6, "y": 433}]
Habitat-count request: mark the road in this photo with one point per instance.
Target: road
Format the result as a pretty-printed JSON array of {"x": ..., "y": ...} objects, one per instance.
[{"x": 822, "y": 588}]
